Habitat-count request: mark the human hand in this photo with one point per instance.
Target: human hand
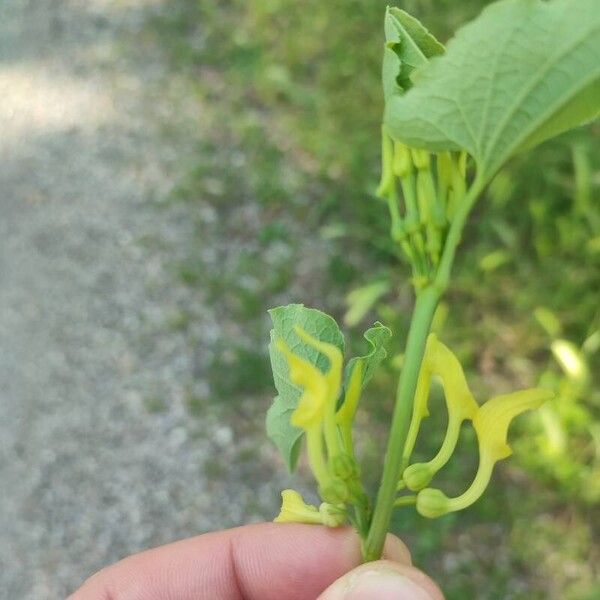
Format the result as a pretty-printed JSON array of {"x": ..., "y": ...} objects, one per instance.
[{"x": 263, "y": 562}]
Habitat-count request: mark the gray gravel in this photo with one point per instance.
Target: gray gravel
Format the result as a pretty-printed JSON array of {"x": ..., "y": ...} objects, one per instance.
[{"x": 90, "y": 469}]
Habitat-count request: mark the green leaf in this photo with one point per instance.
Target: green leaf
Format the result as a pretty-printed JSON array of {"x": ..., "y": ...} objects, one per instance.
[
  {"x": 377, "y": 336},
  {"x": 361, "y": 300},
  {"x": 408, "y": 46},
  {"x": 319, "y": 325},
  {"x": 522, "y": 72},
  {"x": 282, "y": 433}
]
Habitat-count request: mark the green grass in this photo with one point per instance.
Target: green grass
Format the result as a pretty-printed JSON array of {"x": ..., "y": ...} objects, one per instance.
[{"x": 292, "y": 92}]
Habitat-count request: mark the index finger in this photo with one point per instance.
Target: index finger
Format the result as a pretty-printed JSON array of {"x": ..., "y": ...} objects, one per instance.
[{"x": 256, "y": 562}]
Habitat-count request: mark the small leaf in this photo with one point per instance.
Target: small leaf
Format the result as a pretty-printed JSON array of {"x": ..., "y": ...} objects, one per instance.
[
  {"x": 522, "y": 72},
  {"x": 409, "y": 45},
  {"x": 377, "y": 336},
  {"x": 319, "y": 325},
  {"x": 361, "y": 300}
]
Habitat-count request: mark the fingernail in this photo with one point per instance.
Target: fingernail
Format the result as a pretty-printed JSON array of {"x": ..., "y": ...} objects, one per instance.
[{"x": 383, "y": 585}]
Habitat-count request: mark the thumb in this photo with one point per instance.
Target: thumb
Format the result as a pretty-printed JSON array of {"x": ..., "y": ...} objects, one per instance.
[{"x": 383, "y": 580}]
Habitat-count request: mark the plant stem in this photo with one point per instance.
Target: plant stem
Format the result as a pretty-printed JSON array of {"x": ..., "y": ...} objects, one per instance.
[{"x": 425, "y": 305}]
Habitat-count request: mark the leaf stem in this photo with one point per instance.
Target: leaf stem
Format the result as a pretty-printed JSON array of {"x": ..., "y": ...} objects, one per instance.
[{"x": 426, "y": 302}]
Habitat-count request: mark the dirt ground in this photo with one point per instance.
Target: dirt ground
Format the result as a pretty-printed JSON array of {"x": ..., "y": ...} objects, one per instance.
[{"x": 98, "y": 454}]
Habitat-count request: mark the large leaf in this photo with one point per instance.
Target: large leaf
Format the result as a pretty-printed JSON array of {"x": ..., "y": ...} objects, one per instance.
[
  {"x": 377, "y": 336},
  {"x": 319, "y": 325},
  {"x": 522, "y": 72}
]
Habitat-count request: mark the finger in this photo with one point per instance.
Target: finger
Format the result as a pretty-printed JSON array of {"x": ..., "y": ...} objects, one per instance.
[
  {"x": 383, "y": 579},
  {"x": 264, "y": 561}
]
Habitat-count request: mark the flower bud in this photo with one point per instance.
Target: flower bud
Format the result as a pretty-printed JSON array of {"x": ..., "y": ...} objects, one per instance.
[
  {"x": 344, "y": 467},
  {"x": 417, "y": 476},
  {"x": 402, "y": 160},
  {"x": 357, "y": 494},
  {"x": 421, "y": 159},
  {"x": 331, "y": 515},
  {"x": 432, "y": 503},
  {"x": 335, "y": 492}
]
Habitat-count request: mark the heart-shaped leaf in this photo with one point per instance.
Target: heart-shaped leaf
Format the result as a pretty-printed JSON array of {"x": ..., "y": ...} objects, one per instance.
[
  {"x": 522, "y": 72},
  {"x": 321, "y": 326}
]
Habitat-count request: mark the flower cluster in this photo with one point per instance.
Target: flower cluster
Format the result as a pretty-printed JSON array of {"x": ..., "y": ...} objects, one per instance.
[
  {"x": 432, "y": 187},
  {"x": 491, "y": 422},
  {"x": 327, "y": 425},
  {"x": 328, "y": 430}
]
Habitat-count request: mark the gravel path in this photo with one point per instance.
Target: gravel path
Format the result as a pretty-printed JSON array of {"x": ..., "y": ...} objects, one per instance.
[{"x": 98, "y": 454}]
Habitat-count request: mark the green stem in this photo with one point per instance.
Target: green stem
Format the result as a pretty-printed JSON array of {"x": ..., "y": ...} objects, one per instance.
[
  {"x": 455, "y": 231},
  {"x": 405, "y": 501},
  {"x": 425, "y": 305}
]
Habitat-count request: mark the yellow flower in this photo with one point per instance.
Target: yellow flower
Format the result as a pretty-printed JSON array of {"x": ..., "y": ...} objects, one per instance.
[
  {"x": 348, "y": 409},
  {"x": 439, "y": 360},
  {"x": 314, "y": 388},
  {"x": 334, "y": 355},
  {"x": 491, "y": 423},
  {"x": 493, "y": 419},
  {"x": 318, "y": 388},
  {"x": 315, "y": 413},
  {"x": 332, "y": 515},
  {"x": 420, "y": 405},
  {"x": 295, "y": 510}
]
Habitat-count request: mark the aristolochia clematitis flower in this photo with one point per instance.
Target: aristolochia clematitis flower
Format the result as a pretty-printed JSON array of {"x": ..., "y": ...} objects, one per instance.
[
  {"x": 295, "y": 510},
  {"x": 315, "y": 413},
  {"x": 491, "y": 423},
  {"x": 314, "y": 388},
  {"x": 440, "y": 360}
]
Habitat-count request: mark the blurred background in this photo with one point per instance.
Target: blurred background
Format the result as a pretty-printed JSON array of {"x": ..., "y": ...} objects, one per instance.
[{"x": 171, "y": 169}]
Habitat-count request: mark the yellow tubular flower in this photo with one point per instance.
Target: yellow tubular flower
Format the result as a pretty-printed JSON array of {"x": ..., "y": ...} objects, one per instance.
[
  {"x": 345, "y": 415},
  {"x": 316, "y": 454},
  {"x": 333, "y": 353},
  {"x": 461, "y": 406},
  {"x": 387, "y": 182},
  {"x": 402, "y": 164},
  {"x": 315, "y": 413},
  {"x": 491, "y": 424},
  {"x": 310, "y": 410},
  {"x": 333, "y": 380},
  {"x": 444, "y": 170},
  {"x": 493, "y": 419},
  {"x": 332, "y": 515},
  {"x": 420, "y": 408},
  {"x": 314, "y": 388},
  {"x": 295, "y": 510}
]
